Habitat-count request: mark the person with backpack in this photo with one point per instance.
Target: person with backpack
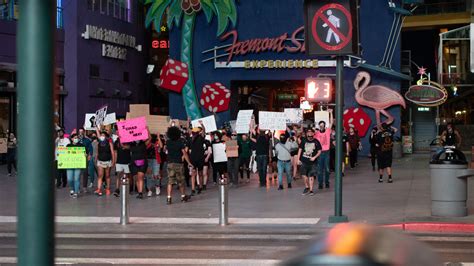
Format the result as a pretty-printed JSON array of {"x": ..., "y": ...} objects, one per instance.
[
  {"x": 384, "y": 151},
  {"x": 283, "y": 152}
]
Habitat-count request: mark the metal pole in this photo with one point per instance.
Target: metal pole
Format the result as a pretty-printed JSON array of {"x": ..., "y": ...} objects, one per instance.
[
  {"x": 124, "y": 199},
  {"x": 223, "y": 202},
  {"x": 338, "y": 217},
  {"x": 35, "y": 48}
]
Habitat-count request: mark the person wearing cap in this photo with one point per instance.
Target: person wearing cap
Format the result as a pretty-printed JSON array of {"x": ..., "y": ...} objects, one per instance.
[
  {"x": 61, "y": 141},
  {"x": 308, "y": 153},
  {"x": 324, "y": 138},
  {"x": 283, "y": 152},
  {"x": 197, "y": 148},
  {"x": 385, "y": 149}
]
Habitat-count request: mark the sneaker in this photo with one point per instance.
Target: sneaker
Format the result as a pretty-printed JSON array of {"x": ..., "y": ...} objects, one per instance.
[
  {"x": 193, "y": 193},
  {"x": 140, "y": 196},
  {"x": 158, "y": 190},
  {"x": 380, "y": 180},
  {"x": 390, "y": 180},
  {"x": 74, "y": 196},
  {"x": 306, "y": 191},
  {"x": 150, "y": 193},
  {"x": 98, "y": 192},
  {"x": 71, "y": 192},
  {"x": 9, "y": 174},
  {"x": 320, "y": 186},
  {"x": 117, "y": 193},
  {"x": 280, "y": 187},
  {"x": 248, "y": 180},
  {"x": 199, "y": 191},
  {"x": 90, "y": 185},
  {"x": 107, "y": 192},
  {"x": 327, "y": 185},
  {"x": 185, "y": 198},
  {"x": 168, "y": 201},
  {"x": 311, "y": 193},
  {"x": 204, "y": 187},
  {"x": 289, "y": 185}
]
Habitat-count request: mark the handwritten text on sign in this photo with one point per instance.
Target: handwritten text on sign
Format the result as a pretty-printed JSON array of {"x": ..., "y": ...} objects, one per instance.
[
  {"x": 272, "y": 120},
  {"x": 132, "y": 130},
  {"x": 71, "y": 157}
]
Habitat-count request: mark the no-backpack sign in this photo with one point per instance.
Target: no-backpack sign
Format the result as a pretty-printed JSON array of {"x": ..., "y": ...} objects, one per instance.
[{"x": 331, "y": 27}]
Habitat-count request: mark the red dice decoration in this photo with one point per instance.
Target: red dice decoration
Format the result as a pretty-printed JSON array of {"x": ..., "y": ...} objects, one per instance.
[
  {"x": 215, "y": 97},
  {"x": 174, "y": 75},
  {"x": 358, "y": 119}
]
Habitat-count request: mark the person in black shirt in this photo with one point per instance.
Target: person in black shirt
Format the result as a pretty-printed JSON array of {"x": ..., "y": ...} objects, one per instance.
[
  {"x": 385, "y": 148},
  {"x": 105, "y": 161},
  {"x": 177, "y": 150},
  {"x": 373, "y": 147},
  {"x": 308, "y": 153},
  {"x": 139, "y": 163},
  {"x": 262, "y": 147},
  {"x": 122, "y": 168},
  {"x": 451, "y": 137},
  {"x": 197, "y": 148}
]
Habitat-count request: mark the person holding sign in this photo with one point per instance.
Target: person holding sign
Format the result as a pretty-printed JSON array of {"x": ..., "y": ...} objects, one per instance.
[
  {"x": 61, "y": 141},
  {"x": 283, "y": 152},
  {"x": 245, "y": 153},
  {"x": 197, "y": 148},
  {"x": 139, "y": 162},
  {"x": 262, "y": 145},
  {"x": 308, "y": 153},
  {"x": 105, "y": 161},
  {"x": 177, "y": 150},
  {"x": 74, "y": 175},
  {"x": 122, "y": 168}
]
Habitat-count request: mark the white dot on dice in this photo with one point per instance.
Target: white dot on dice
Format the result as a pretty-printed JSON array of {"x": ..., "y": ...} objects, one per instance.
[
  {"x": 174, "y": 82},
  {"x": 350, "y": 120},
  {"x": 184, "y": 65},
  {"x": 346, "y": 111},
  {"x": 204, "y": 90},
  {"x": 362, "y": 122},
  {"x": 172, "y": 71},
  {"x": 171, "y": 61},
  {"x": 207, "y": 99},
  {"x": 215, "y": 109},
  {"x": 212, "y": 96},
  {"x": 178, "y": 68},
  {"x": 202, "y": 102},
  {"x": 356, "y": 110},
  {"x": 210, "y": 108},
  {"x": 227, "y": 95},
  {"x": 221, "y": 102},
  {"x": 184, "y": 75}
]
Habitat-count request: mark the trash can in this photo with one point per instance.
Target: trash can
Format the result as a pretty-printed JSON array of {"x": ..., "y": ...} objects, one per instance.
[{"x": 448, "y": 170}]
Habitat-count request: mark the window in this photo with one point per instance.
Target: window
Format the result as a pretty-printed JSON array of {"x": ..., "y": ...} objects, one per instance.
[
  {"x": 94, "y": 71},
  {"x": 120, "y": 9},
  {"x": 126, "y": 77}
]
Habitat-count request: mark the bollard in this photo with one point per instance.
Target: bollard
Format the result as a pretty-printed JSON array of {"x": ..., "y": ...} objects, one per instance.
[
  {"x": 223, "y": 202},
  {"x": 124, "y": 196}
]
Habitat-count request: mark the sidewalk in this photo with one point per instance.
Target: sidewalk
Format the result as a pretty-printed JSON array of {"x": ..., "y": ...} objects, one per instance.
[{"x": 364, "y": 199}]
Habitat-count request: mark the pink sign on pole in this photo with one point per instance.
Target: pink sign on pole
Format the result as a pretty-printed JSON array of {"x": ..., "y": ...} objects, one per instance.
[{"x": 132, "y": 130}]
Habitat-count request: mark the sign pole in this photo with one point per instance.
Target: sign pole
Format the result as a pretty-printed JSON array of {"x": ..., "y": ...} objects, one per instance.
[
  {"x": 35, "y": 111},
  {"x": 338, "y": 217}
]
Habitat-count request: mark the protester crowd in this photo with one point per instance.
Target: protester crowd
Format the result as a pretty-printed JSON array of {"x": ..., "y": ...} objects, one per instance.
[{"x": 186, "y": 156}]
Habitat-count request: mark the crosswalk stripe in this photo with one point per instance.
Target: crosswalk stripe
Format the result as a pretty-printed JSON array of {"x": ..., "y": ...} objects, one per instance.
[{"x": 168, "y": 220}]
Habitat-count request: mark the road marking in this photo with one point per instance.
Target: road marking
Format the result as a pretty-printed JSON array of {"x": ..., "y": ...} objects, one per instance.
[
  {"x": 454, "y": 250},
  {"x": 445, "y": 238},
  {"x": 153, "y": 220},
  {"x": 174, "y": 236},
  {"x": 167, "y": 248},
  {"x": 157, "y": 261}
]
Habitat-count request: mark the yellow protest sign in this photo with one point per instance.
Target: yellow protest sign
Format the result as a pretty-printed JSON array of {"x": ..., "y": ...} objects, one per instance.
[{"x": 71, "y": 157}]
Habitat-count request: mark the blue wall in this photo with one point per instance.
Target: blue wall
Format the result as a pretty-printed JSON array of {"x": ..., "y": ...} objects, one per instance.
[{"x": 258, "y": 20}]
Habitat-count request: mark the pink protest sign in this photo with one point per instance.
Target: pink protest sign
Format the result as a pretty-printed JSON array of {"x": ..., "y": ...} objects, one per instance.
[{"x": 132, "y": 130}]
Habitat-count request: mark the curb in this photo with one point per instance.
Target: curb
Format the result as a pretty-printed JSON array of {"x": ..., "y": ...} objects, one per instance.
[{"x": 433, "y": 227}]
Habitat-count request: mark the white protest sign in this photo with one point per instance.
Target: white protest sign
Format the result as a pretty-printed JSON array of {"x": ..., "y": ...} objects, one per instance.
[
  {"x": 110, "y": 119},
  {"x": 293, "y": 115},
  {"x": 233, "y": 124},
  {"x": 272, "y": 120},
  {"x": 100, "y": 115},
  {"x": 244, "y": 118},
  {"x": 89, "y": 122},
  {"x": 218, "y": 150},
  {"x": 209, "y": 123},
  {"x": 321, "y": 116}
]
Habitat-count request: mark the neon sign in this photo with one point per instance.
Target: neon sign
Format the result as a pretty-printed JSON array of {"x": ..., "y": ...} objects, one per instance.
[{"x": 160, "y": 44}]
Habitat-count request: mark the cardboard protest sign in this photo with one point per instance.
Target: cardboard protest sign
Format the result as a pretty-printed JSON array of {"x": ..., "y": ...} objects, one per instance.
[
  {"x": 293, "y": 115},
  {"x": 110, "y": 119},
  {"x": 244, "y": 119},
  {"x": 232, "y": 149},
  {"x": 3, "y": 145},
  {"x": 71, "y": 157},
  {"x": 100, "y": 115},
  {"x": 218, "y": 150},
  {"x": 321, "y": 116},
  {"x": 209, "y": 123},
  {"x": 272, "y": 120},
  {"x": 139, "y": 110},
  {"x": 132, "y": 130},
  {"x": 158, "y": 123}
]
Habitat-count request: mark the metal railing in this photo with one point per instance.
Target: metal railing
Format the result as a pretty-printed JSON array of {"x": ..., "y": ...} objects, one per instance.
[{"x": 441, "y": 8}]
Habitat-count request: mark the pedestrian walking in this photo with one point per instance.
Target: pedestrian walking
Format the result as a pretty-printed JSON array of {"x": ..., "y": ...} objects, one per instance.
[
  {"x": 91, "y": 167},
  {"x": 308, "y": 152},
  {"x": 323, "y": 135},
  {"x": 61, "y": 141},
  {"x": 283, "y": 151},
  {"x": 87, "y": 143},
  {"x": 139, "y": 163},
  {"x": 385, "y": 151},
  {"x": 262, "y": 147},
  {"x": 122, "y": 166},
  {"x": 219, "y": 167},
  {"x": 245, "y": 153},
  {"x": 373, "y": 146},
  {"x": 232, "y": 159},
  {"x": 176, "y": 150},
  {"x": 197, "y": 149},
  {"x": 11, "y": 153},
  {"x": 354, "y": 145},
  {"x": 154, "y": 161},
  {"x": 74, "y": 175},
  {"x": 105, "y": 161}
]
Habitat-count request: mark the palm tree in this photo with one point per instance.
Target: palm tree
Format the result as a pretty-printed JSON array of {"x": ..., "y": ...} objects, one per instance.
[{"x": 185, "y": 11}]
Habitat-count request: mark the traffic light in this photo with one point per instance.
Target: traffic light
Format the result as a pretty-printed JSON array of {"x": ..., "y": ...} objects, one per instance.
[{"x": 319, "y": 90}]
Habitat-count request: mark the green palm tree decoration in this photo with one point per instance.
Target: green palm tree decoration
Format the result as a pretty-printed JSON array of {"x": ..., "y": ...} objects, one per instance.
[{"x": 185, "y": 11}]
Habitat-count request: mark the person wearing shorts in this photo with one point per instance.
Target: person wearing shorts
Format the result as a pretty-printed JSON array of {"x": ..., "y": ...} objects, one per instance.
[
  {"x": 384, "y": 151},
  {"x": 154, "y": 161},
  {"x": 177, "y": 150},
  {"x": 139, "y": 164},
  {"x": 197, "y": 151},
  {"x": 105, "y": 161},
  {"x": 122, "y": 157},
  {"x": 308, "y": 153}
]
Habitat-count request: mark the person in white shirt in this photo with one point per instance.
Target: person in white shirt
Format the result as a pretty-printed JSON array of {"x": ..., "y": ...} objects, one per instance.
[
  {"x": 283, "y": 150},
  {"x": 61, "y": 141}
]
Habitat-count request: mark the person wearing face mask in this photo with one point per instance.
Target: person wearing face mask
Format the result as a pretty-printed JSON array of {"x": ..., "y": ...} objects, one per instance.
[
  {"x": 91, "y": 169},
  {"x": 105, "y": 161},
  {"x": 74, "y": 175},
  {"x": 61, "y": 141},
  {"x": 245, "y": 153},
  {"x": 263, "y": 152},
  {"x": 197, "y": 149},
  {"x": 283, "y": 151},
  {"x": 324, "y": 138},
  {"x": 308, "y": 153},
  {"x": 11, "y": 153},
  {"x": 84, "y": 140},
  {"x": 451, "y": 136},
  {"x": 354, "y": 144}
]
